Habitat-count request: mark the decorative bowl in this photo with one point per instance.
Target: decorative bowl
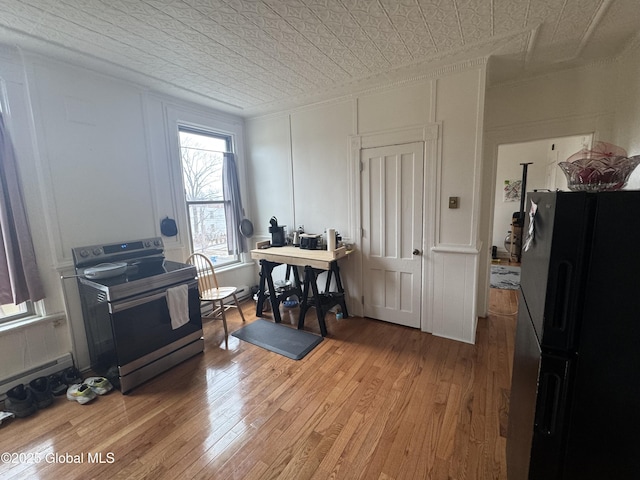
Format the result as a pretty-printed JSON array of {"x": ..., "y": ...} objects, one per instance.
[{"x": 599, "y": 174}]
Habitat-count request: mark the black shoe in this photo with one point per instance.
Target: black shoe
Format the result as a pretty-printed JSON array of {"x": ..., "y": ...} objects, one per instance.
[
  {"x": 41, "y": 392},
  {"x": 20, "y": 402},
  {"x": 57, "y": 387},
  {"x": 71, "y": 376}
]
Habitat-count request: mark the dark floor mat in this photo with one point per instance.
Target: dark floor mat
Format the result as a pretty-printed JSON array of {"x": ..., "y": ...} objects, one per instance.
[{"x": 277, "y": 338}]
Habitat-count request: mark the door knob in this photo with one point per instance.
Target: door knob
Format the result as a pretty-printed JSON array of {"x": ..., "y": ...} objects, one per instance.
[{"x": 416, "y": 252}]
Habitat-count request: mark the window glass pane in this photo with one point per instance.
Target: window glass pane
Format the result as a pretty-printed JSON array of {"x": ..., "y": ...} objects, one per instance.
[
  {"x": 209, "y": 232},
  {"x": 202, "y": 159},
  {"x": 201, "y": 166},
  {"x": 11, "y": 311},
  {"x": 204, "y": 141}
]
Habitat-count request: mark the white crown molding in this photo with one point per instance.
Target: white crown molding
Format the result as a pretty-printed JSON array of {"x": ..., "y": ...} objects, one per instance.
[
  {"x": 548, "y": 73},
  {"x": 593, "y": 24}
]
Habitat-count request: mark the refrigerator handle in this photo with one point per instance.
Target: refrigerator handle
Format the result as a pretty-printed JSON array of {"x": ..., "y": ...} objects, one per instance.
[
  {"x": 549, "y": 398},
  {"x": 561, "y": 301}
]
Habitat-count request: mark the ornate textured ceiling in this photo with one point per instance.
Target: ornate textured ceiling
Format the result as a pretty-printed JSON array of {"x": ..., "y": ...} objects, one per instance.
[{"x": 251, "y": 56}]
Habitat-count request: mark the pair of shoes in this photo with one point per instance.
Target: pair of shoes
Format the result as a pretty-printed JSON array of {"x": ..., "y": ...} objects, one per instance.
[
  {"x": 24, "y": 401},
  {"x": 57, "y": 386},
  {"x": 20, "y": 401},
  {"x": 71, "y": 376},
  {"x": 85, "y": 392},
  {"x": 41, "y": 389},
  {"x": 60, "y": 381}
]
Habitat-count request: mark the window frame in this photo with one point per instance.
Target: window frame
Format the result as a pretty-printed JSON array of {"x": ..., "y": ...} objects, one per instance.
[{"x": 229, "y": 139}]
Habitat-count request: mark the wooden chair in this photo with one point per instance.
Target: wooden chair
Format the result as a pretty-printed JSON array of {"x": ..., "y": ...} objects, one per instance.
[{"x": 210, "y": 291}]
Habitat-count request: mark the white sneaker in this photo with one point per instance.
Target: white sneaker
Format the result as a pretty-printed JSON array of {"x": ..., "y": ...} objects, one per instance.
[
  {"x": 100, "y": 385},
  {"x": 81, "y": 393}
]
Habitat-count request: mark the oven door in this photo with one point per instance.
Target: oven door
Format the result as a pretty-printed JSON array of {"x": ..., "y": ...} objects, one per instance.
[{"x": 142, "y": 324}]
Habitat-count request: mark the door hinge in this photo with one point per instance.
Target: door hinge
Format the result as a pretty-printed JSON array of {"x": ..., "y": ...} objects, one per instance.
[
  {"x": 362, "y": 300},
  {"x": 361, "y": 166}
]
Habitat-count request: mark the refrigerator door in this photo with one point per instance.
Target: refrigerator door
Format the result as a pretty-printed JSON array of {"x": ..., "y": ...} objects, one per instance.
[
  {"x": 604, "y": 437},
  {"x": 535, "y": 261},
  {"x": 522, "y": 402},
  {"x": 553, "y": 267}
]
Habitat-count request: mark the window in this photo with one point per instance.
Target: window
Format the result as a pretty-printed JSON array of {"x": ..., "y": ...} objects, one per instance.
[
  {"x": 202, "y": 155},
  {"x": 13, "y": 312}
]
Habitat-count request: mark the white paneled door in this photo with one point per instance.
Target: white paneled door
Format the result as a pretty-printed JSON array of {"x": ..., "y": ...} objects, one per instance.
[{"x": 392, "y": 203}]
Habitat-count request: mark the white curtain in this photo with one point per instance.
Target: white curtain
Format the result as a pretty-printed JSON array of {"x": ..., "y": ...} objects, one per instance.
[
  {"x": 233, "y": 210},
  {"x": 19, "y": 277}
]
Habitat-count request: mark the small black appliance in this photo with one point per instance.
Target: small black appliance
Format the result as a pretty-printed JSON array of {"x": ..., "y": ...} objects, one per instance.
[{"x": 278, "y": 234}]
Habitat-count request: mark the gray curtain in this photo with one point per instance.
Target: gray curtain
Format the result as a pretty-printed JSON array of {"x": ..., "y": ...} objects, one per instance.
[
  {"x": 232, "y": 205},
  {"x": 19, "y": 277}
]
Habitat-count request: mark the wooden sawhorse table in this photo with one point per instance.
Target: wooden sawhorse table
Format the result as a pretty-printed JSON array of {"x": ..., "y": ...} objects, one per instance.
[{"x": 313, "y": 262}]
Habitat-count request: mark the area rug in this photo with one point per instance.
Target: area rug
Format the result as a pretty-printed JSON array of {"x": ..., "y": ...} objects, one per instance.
[
  {"x": 290, "y": 342},
  {"x": 504, "y": 277}
]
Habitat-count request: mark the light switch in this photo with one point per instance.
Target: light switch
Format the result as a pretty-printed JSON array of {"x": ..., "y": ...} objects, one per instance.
[{"x": 454, "y": 202}]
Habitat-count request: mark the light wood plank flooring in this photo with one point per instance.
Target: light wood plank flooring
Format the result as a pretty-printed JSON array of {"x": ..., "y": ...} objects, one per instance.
[{"x": 372, "y": 401}]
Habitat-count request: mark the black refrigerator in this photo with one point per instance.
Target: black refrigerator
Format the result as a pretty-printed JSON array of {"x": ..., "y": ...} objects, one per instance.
[{"x": 574, "y": 409}]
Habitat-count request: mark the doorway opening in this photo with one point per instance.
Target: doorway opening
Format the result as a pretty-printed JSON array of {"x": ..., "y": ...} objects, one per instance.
[{"x": 543, "y": 174}]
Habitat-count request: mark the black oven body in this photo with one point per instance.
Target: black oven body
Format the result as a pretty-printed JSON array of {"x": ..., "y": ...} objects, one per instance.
[
  {"x": 150, "y": 320},
  {"x": 132, "y": 340}
]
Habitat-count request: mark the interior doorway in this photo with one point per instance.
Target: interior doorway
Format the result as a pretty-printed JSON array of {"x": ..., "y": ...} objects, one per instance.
[{"x": 543, "y": 174}]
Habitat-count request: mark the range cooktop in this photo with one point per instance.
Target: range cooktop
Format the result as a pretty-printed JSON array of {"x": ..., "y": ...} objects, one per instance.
[{"x": 142, "y": 278}]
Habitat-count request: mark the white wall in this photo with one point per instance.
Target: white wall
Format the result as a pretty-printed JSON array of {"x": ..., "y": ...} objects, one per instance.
[
  {"x": 459, "y": 106},
  {"x": 317, "y": 147},
  {"x": 99, "y": 163},
  {"x": 298, "y": 173},
  {"x": 270, "y": 173},
  {"x": 627, "y": 131}
]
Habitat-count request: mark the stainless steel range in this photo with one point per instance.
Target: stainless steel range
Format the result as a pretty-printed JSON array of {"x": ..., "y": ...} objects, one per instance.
[{"x": 125, "y": 290}]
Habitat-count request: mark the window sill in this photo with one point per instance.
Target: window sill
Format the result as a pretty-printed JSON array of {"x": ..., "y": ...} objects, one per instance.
[
  {"x": 25, "y": 322},
  {"x": 234, "y": 266}
]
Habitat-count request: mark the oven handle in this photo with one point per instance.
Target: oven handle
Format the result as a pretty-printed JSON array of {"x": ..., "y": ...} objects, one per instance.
[{"x": 141, "y": 300}]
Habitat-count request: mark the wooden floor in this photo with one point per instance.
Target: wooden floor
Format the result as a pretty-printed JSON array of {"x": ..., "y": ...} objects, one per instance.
[{"x": 372, "y": 401}]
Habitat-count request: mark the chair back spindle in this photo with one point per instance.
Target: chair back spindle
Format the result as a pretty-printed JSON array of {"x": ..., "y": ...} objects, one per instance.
[
  {"x": 210, "y": 290},
  {"x": 207, "y": 279}
]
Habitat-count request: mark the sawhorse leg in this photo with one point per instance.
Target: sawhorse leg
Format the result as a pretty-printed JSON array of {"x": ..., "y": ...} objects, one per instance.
[
  {"x": 310, "y": 281},
  {"x": 336, "y": 271},
  {"x": 265, "y": 276},
  {"x": 304, "y": 301}
]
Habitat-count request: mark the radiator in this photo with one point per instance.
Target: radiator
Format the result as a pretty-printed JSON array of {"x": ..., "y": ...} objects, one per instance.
[
  {"x": 55, "y": 366},
  {"x": 242, "y": 293}
]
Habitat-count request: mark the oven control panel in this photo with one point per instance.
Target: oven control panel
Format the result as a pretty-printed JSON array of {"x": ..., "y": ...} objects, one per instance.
[{"x": 94, "y": 254}]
